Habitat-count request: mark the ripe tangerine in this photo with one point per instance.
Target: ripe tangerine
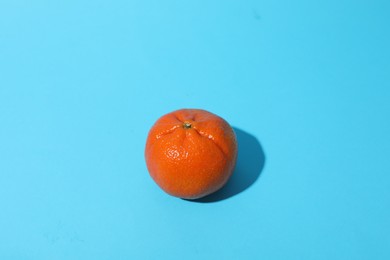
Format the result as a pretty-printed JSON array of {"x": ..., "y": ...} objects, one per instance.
[{"x": 191, "y": 153}]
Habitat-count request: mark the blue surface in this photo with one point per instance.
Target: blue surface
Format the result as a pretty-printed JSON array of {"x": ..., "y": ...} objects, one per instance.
[{"x": 306, "y": 84}]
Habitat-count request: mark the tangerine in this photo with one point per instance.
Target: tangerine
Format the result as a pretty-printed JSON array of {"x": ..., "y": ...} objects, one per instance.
[{"x": 191, "y": 153}]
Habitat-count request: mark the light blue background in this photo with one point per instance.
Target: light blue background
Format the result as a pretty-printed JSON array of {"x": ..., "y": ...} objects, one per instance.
[{"x": 81, "y": 83}]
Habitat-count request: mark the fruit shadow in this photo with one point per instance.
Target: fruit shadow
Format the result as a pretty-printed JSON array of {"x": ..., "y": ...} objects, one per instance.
[{"x": 250, "y": 163}]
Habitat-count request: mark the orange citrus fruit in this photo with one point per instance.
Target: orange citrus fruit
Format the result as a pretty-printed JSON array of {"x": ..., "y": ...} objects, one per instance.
[{"x": 191, "y": 153}]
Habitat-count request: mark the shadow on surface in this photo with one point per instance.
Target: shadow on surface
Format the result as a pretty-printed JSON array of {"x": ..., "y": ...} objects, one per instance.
[{"x": 250, "y": 163}]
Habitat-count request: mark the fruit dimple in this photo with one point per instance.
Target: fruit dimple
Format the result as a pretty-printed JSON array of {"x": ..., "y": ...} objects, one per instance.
[{"x": 172, "y": 153}]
